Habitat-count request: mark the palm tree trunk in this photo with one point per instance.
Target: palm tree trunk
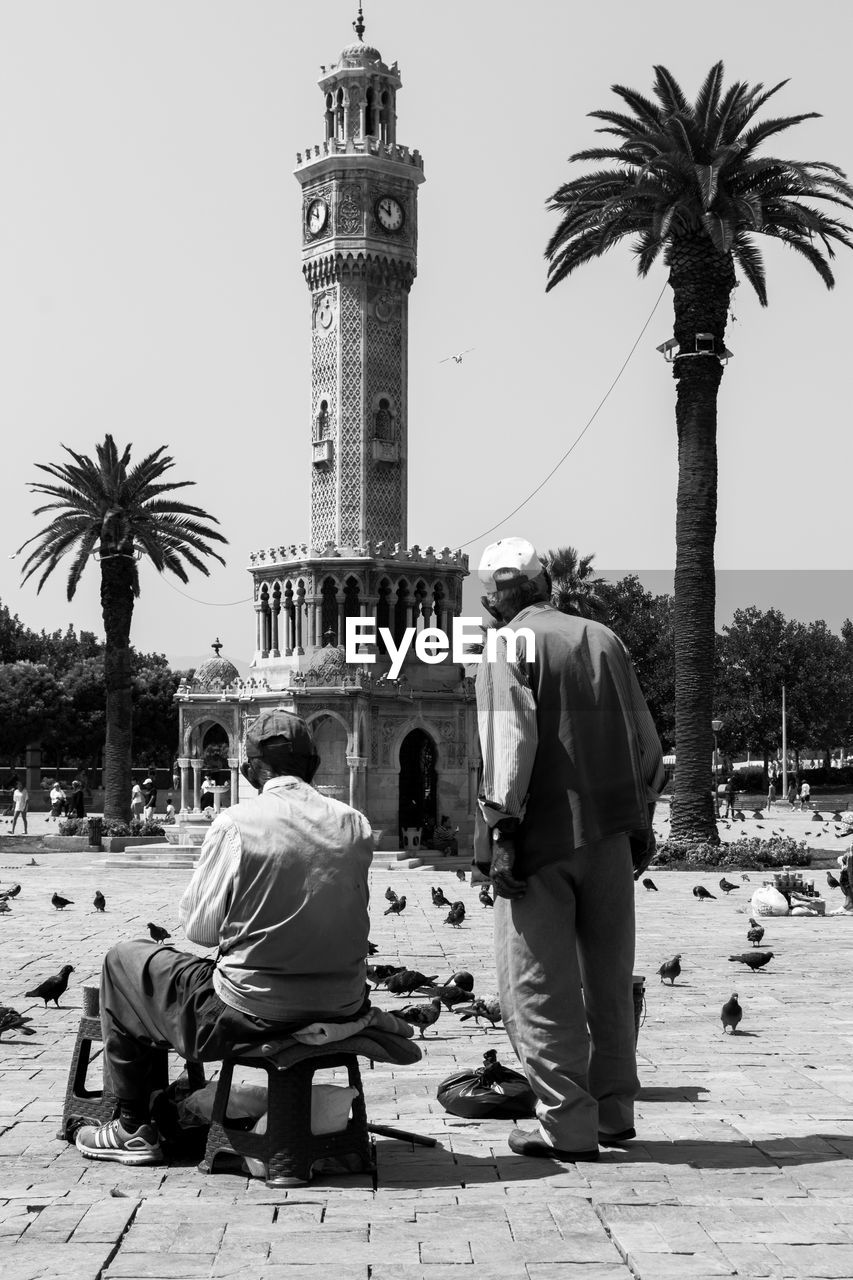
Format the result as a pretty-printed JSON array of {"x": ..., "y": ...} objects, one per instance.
[
  {"x": 702, "y": 279},
  {"x": 117, "y": 609}
]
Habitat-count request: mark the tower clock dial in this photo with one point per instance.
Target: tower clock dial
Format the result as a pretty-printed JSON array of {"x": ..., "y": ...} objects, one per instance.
[
  {"x": 316, "y": 216},
  {"x": 389, "y": 213}
]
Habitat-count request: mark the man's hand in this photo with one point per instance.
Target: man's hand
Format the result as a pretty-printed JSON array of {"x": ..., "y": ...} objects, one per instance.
[
  {"x": 643, "y": 851},
  {"x": 504, "y": 882}
]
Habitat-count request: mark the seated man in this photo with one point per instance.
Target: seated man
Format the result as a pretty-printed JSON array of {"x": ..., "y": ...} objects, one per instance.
[
  {"x": 281, "y": 891},
  {"x": 444, "y": 837}
]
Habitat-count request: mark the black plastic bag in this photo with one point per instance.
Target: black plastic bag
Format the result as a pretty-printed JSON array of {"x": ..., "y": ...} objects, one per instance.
[{"x": 488, "y": 1092}]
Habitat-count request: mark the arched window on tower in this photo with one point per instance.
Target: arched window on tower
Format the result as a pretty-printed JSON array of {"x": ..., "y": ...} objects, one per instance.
[
  {"x": 370, "y": 115},
  {"x": 330, "y": 117},
  {"x": 383, "y": 428},
  {"x": 340, "y": 131},
  {"x": 329, "y": 613},
  {"x": 386, "y": 130},
  {"x": 322, "y": 429}
]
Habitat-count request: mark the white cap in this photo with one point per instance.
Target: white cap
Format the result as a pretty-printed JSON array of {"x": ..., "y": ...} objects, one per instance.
[{"x": 506, "y": 561}]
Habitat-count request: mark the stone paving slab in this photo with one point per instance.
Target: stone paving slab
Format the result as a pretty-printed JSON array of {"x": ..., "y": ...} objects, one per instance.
[{"x": 742, "y": 1166}]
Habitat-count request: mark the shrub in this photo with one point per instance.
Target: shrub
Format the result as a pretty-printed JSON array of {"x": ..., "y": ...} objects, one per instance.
[
  {"x": 753, "y": 854},
  {"x": 139, "y": 827},
  {"x": 72, "y": 827}
]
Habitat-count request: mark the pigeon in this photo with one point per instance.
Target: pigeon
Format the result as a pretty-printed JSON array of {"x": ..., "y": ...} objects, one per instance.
[
  {"x": 831, "y": 881},
  {"x": 759, "y": 826},
  {"x": 755, "y": 932},
  {"x": 32, "y": 863},
  {"x": 490, "y": 1009},
  {"x": 755, "y": 959},
  {"x": 744, "y": 876},
  {"x": 439, "y": 899},
  {"x": 450, "y": 994},
  {"x": 462, "y": 979},
  {"x": 406, "y": 981},
  {"x": 371, "y": 948},
  {"x": 390, "y": 894},
  {"x": 5, "y": 894},
  {"x": 420, "y": 1015},
  {"x": 61, "y": 903},
  {"x": 700, "y": 892},
  {"x": 99, "y": 901},
  {"x": 52, "y": 988},
  {"x": 455, "y": 915},
  {"x": 11, "y": 1020},
  {"x": 727, "y": 886},
  {"x": 731, "y": 1013},
  {"x": 648, "y": 883},
  {"x": 671, "y": 969},
  {"x": 396, "y": 907},
  {"x": 380, "y": 973},
  {"x": 4, "y": 906},
  {"x": 485, "y": 897},
  {"x": 460, "y": 875},
  {"x": 158, "y": 933}
]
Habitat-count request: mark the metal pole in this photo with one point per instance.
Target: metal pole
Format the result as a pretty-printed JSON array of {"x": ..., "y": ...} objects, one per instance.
[
  {"x": 716, "y": 781},
  {"x": 784, "y": 748}
]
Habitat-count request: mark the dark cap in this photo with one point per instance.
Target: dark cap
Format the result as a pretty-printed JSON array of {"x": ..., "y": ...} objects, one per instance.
[{"x": 285, "y": 728}]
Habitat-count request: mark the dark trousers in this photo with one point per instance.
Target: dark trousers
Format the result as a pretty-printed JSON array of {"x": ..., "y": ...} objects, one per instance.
[{"x": 155, "y": 998}]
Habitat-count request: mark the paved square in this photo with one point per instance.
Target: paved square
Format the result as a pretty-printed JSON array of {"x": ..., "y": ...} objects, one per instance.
[{"x": 743, "y": 1165}]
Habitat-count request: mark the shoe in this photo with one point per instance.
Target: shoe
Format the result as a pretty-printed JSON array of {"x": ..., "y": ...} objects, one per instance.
[
  {"x": 111, "y": 1142},
  {"x": 526, "y": 1143},
  {"x": 616, "y": 1139}
]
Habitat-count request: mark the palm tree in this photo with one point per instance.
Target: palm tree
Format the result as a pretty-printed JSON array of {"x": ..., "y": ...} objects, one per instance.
[
  {"x": 574, "y": 586},
  {"x": 117, "y": 514},
  {"x": 685, "y": 181}
]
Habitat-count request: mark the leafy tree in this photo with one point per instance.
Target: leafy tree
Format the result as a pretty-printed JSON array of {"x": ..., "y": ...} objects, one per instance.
[
  {"x": 30, "y": 697},
  {"x": 822, "y": 694},
  {"x": 684, "y": 180},
  {"x": 643, "y": 622},
  {"x": 574, "y": 587},
  {"x": 757, "y": 654},
  {"x": 105, "y": 508},
  {"x": 155, "y": 711}
]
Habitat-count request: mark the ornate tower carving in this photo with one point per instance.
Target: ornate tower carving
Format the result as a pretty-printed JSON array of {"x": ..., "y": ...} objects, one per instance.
[{"x": 359, "y": 254}]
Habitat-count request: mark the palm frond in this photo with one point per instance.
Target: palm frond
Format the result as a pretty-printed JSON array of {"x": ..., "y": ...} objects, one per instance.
[
  {"x": 708, "y": 98},
  {"x": 669, "y": 92}
]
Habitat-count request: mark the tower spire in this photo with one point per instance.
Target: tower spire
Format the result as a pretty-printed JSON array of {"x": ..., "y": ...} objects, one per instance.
[{"x": 358, "y": 25}]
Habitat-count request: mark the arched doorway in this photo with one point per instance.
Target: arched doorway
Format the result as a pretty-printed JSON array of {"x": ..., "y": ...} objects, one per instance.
[
  {"x": 418, "y": 780},
  {"x": 331, "y": 738}
]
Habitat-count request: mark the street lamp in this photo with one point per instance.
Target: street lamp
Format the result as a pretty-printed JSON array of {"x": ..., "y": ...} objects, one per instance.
[{"x": 716, "y": 726}]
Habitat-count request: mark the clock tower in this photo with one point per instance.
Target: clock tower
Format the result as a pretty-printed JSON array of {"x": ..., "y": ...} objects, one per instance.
[{"x": 359, "y": 259}]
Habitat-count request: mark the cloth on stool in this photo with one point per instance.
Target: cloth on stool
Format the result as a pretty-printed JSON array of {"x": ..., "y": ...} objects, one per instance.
[{"x": 381, "y": 1036}]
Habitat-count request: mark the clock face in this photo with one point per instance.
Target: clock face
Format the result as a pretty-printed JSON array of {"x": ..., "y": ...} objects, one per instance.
[
  {"x": 389, "y": 213},
  {"x": 316, "y": 216}
]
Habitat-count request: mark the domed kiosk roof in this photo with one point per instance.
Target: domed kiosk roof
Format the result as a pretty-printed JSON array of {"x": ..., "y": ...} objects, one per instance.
[
  {"x": 359, "y": 55},
  {"x": 215, "y": 669}
]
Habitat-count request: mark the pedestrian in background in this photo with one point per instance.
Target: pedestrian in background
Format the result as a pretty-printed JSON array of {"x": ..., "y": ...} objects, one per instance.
[
  {"x": 572, "y": 766},
  {"x": 771, "y": 795},
  {"x": 76, "y": 804},
  {"x": 20, "y": 806},
  {"x": 149, "y": 799},
  {"x": 137, "y": 804}
]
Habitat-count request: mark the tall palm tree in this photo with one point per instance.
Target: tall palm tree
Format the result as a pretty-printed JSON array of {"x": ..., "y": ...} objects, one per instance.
[
  {"x": 116, "y": 513},
  {"x": 685, "y": 180},
  {"x": 574, "y": 586}
]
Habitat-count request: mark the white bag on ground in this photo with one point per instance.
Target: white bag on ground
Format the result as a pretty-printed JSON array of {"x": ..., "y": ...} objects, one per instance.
[
  {"x": 768, "y": 901},
  {"x": 330, "y": 1108}
]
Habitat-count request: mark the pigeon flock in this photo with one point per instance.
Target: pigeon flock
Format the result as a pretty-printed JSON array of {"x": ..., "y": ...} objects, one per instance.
[{"x": 52, "y": 988}]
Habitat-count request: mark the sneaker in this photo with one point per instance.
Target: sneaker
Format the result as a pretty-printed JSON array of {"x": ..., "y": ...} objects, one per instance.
[
  {"x": 111, "y": 1142},
  {"x": 528, "y": 1142}
]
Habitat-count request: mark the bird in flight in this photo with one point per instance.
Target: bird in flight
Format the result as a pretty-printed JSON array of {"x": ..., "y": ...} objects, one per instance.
[{"x": 457, "y": 358}]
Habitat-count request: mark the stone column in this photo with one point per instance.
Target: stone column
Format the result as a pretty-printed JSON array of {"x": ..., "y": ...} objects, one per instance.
[
  {"x": 234, "y": 766},
  {"x": 275, "y": 608},
  {"x": 300, "y": 609},
  {"x": 184, "y": 766},
  {"x": 341, "y": 603},
  {"x": 259, "y": 628},
  {"x": 357, "y": 767},
  {"x": 196, "y": 768}
]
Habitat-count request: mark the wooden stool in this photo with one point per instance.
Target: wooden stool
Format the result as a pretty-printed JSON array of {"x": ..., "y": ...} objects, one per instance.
[{"x": 289, "y": 1150}]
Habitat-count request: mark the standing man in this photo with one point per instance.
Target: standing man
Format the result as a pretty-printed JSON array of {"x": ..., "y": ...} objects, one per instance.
[
  {"x": 20, "y": 805},
  {"x": 572, "y": 766},
  {"x": 149, "y": 799},
  {"x": 280, "y": 890}
]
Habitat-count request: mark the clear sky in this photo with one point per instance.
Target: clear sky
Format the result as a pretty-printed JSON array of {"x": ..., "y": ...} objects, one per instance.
[{"x": 150, "y": 283}]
